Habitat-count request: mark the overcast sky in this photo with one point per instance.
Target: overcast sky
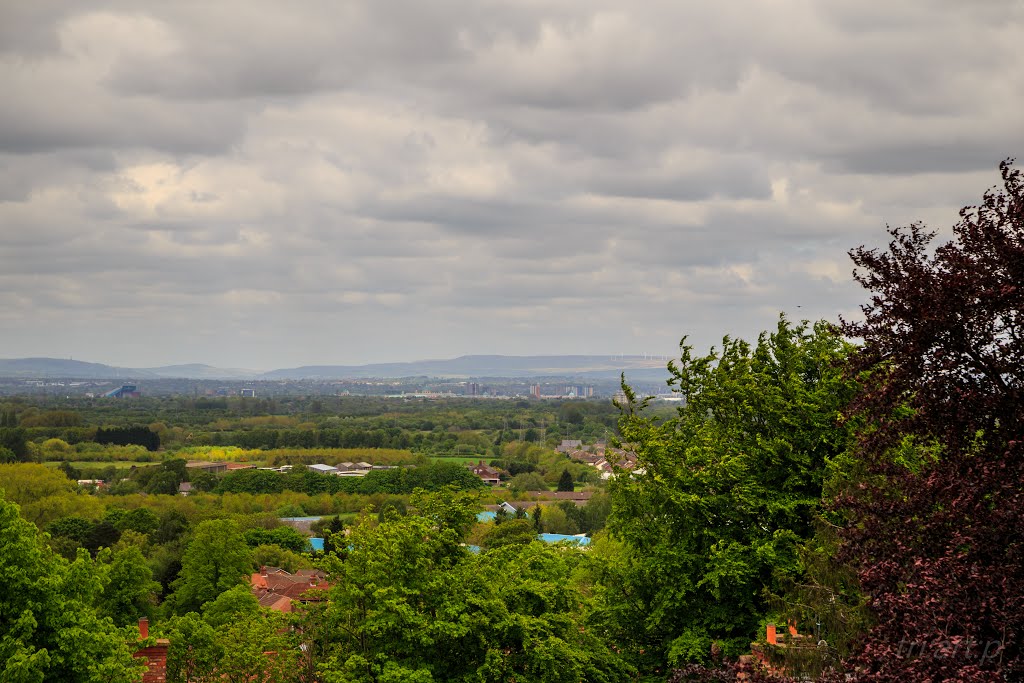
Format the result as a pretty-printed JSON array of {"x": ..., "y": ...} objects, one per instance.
[{"x": 269, "y": 184}]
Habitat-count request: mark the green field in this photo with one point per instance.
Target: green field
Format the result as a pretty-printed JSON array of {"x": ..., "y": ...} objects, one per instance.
[
  {"x": 119, "y": 464},
  {"x": 460, "y": 459}
]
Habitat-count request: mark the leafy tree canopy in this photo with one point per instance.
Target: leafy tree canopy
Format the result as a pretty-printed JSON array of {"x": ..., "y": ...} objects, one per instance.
[
  {"x": 726, "y": 492},
  {"x": 49, "y": 628},
  {"x": 217, "y": 558}
]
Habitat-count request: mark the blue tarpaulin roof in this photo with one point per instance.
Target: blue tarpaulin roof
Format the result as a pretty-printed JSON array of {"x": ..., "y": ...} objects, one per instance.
[{"x": 558, "y": 538}]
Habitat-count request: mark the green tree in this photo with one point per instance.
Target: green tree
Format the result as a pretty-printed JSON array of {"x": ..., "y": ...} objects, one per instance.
[
  {"x": 284, "y": 536},
  {"x": 390, "y": 608},
  {"x": 194, "y": 649},
  {"x": 129, "y": 591},
  {"x": 217, "y": 559},
  {"x": 537, "y": 631},
  {"x": 258, "y": 648},
  {"x": 730, "y": 489},
  {"x": 409, "y": 604},
  {"x": 229, "y": 605},
  {"x": 49, "y": 629},
  {"x": 511, "y": 532},
  {"x": 16, "y": 441},
  {"x": 276, "y": 556},
  {"x": 528, "y": 481},
  {"x": 565, "y": 482},
  {"x": 203, "y": 481},
  {"x": 142, "y": 520}
]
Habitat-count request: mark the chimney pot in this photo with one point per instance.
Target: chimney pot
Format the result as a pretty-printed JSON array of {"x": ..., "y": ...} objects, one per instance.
[
  {"x": 772, "y": 639},
  {"x": 143, "y": 627}
]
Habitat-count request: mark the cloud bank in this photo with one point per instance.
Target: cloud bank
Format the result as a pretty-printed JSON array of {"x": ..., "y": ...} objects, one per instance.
[{"x": 264, "y": 184}]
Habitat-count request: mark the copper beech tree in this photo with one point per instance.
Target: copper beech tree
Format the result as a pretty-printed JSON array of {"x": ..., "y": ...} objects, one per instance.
[{"x": 936, "y": 522}]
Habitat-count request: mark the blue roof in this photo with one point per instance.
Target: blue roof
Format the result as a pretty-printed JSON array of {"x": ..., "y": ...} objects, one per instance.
[
  {"x": 317, "y": 544},
  {"x": 558, "y": 538},
  {"x": 485, "y": 516}
]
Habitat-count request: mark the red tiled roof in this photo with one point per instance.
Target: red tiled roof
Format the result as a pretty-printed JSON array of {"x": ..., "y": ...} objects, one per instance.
[{"x": 272, "y": 585}]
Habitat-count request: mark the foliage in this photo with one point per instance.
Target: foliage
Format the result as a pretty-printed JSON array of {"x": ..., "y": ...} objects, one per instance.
[
  {"x": 251, "y": 481},
  {"x": 400, "y": 480},
  {"x": 194, "y": 649},
  {"x": 49, "y": 629},
  {"x": 45, "y": 494},
  {"x": 229, "y": 605},
  {"x": 565, "y": 481},
  {"x": 729, "y": 489},
  {"x": 123, "y": 436},
  {"x": 936, "y": 523},
  {"x": 283, "y": 536},
  {"x": 528, "y": 481},
  {"x": 408, "y": 603},
  {"x": 276, "y": 556},
  {"x": 129, "y": 591},
  {"x": 217, "y": 559},
  {"x": 511, "y": 532},
  {"x": 14, "y": 441},
  {"x": 259, "y": 648}
]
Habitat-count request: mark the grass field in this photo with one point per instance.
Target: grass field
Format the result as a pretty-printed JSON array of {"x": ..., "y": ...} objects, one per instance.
[
  {"x": 460, "y": 459},
  {"x": 119, "y": 464}
]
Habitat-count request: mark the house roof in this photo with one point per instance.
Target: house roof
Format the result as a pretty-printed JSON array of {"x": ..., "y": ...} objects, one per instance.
[
  {"x": 279, "y": 603},
  {"x": 305, "y": 585},
  {"x": 484, "y": 471}
]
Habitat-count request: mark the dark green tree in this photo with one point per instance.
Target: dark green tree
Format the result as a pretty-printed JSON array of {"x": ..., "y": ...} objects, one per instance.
[{"x": 565, "y": 482}]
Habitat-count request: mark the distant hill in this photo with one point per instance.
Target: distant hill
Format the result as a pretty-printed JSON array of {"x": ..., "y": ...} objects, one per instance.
[
  {"x": 637, "y": 368},
  {"x": 200, "y": 371},
  {"x": 66, "y": 368},
  {"x": 593, "y": 367}
]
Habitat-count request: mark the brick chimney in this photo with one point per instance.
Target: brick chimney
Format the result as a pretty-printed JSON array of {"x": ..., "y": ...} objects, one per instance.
[
  {"x": 155, "y": 656},
  {"x": 772, "y": 639}
]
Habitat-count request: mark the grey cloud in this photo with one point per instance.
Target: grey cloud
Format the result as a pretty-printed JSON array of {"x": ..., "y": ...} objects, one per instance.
[{"x": 345, "y": 182}]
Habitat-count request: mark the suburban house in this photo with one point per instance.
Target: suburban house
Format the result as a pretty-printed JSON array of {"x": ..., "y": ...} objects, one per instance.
[
  {"x": 587, "y": 457},
  {"x": 278, "y": 590},
  {"x": 509, "y": 508},
  {"x": 487, "y": 474},
  {"x": 185, "y": 488}
]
